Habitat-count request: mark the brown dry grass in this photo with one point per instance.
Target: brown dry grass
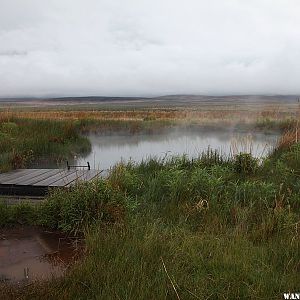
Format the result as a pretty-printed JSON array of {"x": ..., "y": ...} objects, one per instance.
[
  {"x": 217, "y": 115},
  {"x": 292, "y": 134},
  {"x": 289, "y": 137}
]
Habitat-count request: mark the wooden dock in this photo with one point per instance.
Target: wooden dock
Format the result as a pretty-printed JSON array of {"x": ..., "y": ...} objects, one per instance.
[{"x": 37, "y": 182}]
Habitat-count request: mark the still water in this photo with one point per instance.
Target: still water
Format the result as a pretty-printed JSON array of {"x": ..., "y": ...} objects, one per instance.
[
  {"x": 107, "y": 150},
  {"x": 28, "y": 254}
]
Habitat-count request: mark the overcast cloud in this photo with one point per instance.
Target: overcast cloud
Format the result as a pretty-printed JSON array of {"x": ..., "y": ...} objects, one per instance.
[{"x": 155, "y": 47}]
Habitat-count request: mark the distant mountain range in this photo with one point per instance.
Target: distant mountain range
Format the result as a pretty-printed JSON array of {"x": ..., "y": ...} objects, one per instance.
[{"x": 161, "y": 100}]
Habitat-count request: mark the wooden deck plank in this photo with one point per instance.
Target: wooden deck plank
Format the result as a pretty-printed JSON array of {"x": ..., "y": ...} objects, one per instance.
[
  {"x": 50, "y": 180},
  {"x": 36, "y": 182},
  {"x": 10, "y": 173},
  {"x": 13, "y": 174},
  {"x": 35, "y": 179},
  {"x": 25, "y": 175},
  {"x": 87, "y": 176},
  {"x": 68, "y": 179}
]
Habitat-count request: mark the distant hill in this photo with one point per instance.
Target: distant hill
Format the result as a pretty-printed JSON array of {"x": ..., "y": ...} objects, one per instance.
[{"x": 168, "y": 100}]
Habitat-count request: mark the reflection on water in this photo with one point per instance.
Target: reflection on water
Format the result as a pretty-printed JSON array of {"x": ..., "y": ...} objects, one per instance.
[
  {"x": 28, "y": 254},
  {"x": 109, "y": 150}
]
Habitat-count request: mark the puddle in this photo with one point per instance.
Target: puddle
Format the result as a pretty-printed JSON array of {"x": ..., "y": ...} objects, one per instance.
[{"x": 29, "y": 254}]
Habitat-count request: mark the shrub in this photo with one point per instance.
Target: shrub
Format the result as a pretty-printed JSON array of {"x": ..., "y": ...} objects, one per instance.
[
  {"x": 23, "y": 214},
  {"x": 72, "y": 210},
  {"x": 245, "y": 164},
  {"x": 9, "y": 127}
]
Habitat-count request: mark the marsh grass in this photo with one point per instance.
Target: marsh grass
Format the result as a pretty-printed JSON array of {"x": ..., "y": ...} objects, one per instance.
[
  {"x": 27, "y": 136},
  {"x": 25, "y": 140},
  {"x": 176, "y": 227},
  {"x": 265, "y": 118},
  {"x": 289, "y": 137},
  {"x": 214, "y": 227}
]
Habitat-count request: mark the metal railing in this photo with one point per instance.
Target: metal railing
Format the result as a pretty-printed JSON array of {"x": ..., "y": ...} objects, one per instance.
[{"x": 87, "y": 166}]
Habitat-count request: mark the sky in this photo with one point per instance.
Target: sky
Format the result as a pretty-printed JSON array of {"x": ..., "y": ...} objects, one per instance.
[{"x": 149, "y": 47}]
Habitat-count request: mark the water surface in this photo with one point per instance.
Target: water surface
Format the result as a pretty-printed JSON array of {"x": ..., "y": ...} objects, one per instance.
[
  {"x": 28, "y": 254},
  {"x": 107, "y": 150}
]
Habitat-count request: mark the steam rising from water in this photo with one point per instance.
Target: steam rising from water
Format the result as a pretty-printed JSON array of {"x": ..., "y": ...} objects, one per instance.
[{"x": 109, "y": 150}]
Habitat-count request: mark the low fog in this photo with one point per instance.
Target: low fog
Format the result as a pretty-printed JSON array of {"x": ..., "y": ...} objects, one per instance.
[{"x": 149, "y": 48}]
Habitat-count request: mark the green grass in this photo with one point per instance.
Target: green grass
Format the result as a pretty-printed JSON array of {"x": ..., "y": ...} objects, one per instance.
[
  {"x": 208, "y": 228},
  {"x": 23, "y": 141}
]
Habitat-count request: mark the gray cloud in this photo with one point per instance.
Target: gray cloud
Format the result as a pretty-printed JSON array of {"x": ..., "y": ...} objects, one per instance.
[{"x": 143, "y": 47}]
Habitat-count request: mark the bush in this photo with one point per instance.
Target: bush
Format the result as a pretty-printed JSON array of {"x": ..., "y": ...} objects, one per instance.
[
  {"x": 245, "y": 164},
  {"x": 71, "y": 211},
  {"x": 9, "y": 127},
  {"x": 23, "y": 214}
]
